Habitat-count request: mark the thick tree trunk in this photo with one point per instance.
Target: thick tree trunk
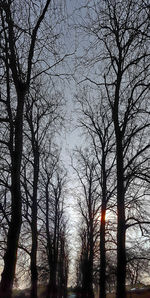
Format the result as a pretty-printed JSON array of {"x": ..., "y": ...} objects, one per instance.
[
  {"x": 102, "y": 231},
  {"x": 121, "y": 251},
  {"x": 102, "y": 254},
  {"x": 52, "y": 288},
  {"x": 87, "y": 272},
  {"x": 88, "y": 278},
  {"x": 91, "y": 257},
  {"x": 53, "y": 283},
  {"x": 10, "y": 257},
  {"x": 62, "y": 274},
  {"x": 34, "y": 273},
  {"x": 87, "y": 269}
]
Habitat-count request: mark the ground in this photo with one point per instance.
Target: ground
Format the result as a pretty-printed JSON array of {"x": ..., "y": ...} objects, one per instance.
[
  {"x": 139, "y": 293},
  {"x": 145, "y": 293}
]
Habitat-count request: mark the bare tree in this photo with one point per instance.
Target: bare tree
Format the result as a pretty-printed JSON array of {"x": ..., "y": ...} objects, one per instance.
[
  {"x": 53, "y": 180},
  {"x": 42, "y": 114},
  {"x": 120, "y": 39},
  {"x": 21, "y": 78},
  {"x": 89, "y": 206},
  {"x": 27, "y": 42},
  {"x": 96, "y": 123},
  {"x": 138, "y": 259}
]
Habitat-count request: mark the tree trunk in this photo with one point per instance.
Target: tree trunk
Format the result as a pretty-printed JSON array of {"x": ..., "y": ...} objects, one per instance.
[
  {"x": 91, "y": 257},
  {"x": 87, "y": 289},
  {"x": 102, "y": 254},
  {"x": 52, "y": 289},
  {"x": 10, "y": 257},
  {"x": 34, "y": 273},
  {"x": 121, "y": 251},
  {"x": 88, "y": 286},
  {"x": 102, "y": 230}
]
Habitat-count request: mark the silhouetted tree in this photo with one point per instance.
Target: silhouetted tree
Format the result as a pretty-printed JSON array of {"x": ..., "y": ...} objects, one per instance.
[
  {"x": 119, "y": 46},
  {"x": 27, "y": 42},
  {"x": 42, "y": 114},
  {"x": 18, "y": 79},
  {"x": 96, "y": 123},
  {"x": 52, "y": 183},
  {"x": 89, "y": 206}
]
